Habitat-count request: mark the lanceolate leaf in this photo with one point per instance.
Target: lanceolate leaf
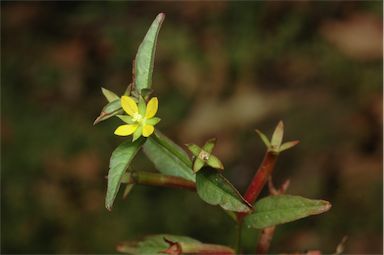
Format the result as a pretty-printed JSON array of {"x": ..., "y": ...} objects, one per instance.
[
  {"x": 109, "y": 95},
  {"x": 288, "y": 145},
  {"x": 279, "y": 209},
  {"x": 214, "y": 189},
  {"x": 214, "y": 162},
  {"x": 168, "y": 157},
  {"x": 111, "y": 109},
  {"x": 119, "y": 162},
  {"x": 146, "y": 54},
  {"x": 209, "y": 145},
  {"x": 277, "y": 136},
  {"x": 263, "y": 138}
]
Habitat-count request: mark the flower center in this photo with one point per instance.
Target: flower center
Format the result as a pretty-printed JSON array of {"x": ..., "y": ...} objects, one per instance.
[
  {"x": 137, "y": 117},
  {"x": 204, "y": 155}
]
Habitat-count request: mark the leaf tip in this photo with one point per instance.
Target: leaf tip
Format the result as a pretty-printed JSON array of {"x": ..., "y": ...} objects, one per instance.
[
  {"x": 277, "y": 136},
  {"x": 264, "y": 138},
  {"x": 327, "y": 206},
  {"x": 99, "y": 118},
  {"x": 161, "y": 16}
]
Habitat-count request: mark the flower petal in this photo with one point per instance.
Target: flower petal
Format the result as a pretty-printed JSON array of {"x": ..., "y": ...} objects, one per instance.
[
  {"x": 129, "y": 105},
  {"x": 148, "y": 130},
  {"x": 125, "y": 130},
  {"x": 151, "y": 108}
]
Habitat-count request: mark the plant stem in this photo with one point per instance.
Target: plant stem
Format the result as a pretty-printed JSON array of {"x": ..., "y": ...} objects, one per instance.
[
  {"x": 259, "y": 179},
  {"x": 267, "y": 233},
  {"x": 265, "y": 240},
  {"x": 238, "y": 237},
  {"x": 261, "y": 176},
  {"x": 155, "y": 179}
]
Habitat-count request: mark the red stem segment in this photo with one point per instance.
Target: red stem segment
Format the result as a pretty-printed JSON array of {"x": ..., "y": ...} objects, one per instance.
[{"x": 260, "y": 178}]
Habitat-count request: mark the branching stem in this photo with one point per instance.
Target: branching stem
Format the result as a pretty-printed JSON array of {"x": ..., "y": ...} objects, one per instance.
[{"x": 155, "y": 179}]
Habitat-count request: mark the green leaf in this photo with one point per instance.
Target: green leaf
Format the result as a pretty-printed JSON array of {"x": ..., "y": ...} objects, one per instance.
[
  {"x": 142, "y": 106},
  {"x": 111, "y": 109},
  {"x": 277, "y": 136},
  {"x": 263, "y": 138},
  {"x": 214, "y": 162},
  {"x": 168, "y": 157},
  {"x": 119, "y": 162},
  {"x": 126, "y": 118},
  {"x": 288, "y": 145},
  {"x": 127, "y": 178},
  {"x": 145, "y": 93},
  {"x": 137, "y": 134},
  {"x": 109, "y": 95},
  {"x": 194, "y": 149},
  {"x": 214, "y": 189},
  {"x": 279, "y": 209},
  {"x": 153, "y": 244},
  {"x": 198, "y": 164},
  {"x": 153, "y": 121},
  {"x": 127, "y": 190},
  {"x": 146, "y": 54},
  {"x": 208, "y": 146}
]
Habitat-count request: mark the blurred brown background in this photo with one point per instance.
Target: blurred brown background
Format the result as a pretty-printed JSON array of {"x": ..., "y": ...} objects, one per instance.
[{"x": 222, "y": 69}]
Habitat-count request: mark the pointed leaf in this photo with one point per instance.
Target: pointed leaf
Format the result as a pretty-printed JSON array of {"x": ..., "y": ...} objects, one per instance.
[
  {"x": 214, "y": 189},
  {"x": 146, "y": 54},
  {"x": 126, "y": 177},
  {"x": 194, "y": 149},
  {"x": 288, "y": 145},
  {"x": 214, "y": 162},
  {"x": 126, "y": 118},
  {"x": 263, "y": 138},
  {"x": 209, "y": 145},
  {"x": 109, "y": 95},
  {"x": 168, "y": 157},
  {"x": 145, "y": 93},
  {"x": 279, "y": 209},
  {"x": 277, "y": 136},
  {"x": 153, "y": 121},
  {"x": 127, "y": 190},
  {"x": 198, "y": 164},
  {"x": 111, "y": 109},
  {"x": 119, "y": 162}
]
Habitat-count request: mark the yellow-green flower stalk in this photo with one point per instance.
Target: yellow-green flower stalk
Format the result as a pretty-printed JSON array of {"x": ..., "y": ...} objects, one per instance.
[{"x": 140, "y": 119}]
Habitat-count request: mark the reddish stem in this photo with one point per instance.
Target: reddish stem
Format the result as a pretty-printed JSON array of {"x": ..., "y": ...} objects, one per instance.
[
  {"x": 265, "y": 240},
  {"x": 260, "y": 178}
]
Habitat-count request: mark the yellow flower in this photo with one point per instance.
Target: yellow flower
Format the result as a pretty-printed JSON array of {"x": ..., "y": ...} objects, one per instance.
[{"x": 140, "y": 119}]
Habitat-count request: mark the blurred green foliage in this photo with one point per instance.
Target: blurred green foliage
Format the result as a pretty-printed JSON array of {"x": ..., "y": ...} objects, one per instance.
[{"x": 222, "y": 69}]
